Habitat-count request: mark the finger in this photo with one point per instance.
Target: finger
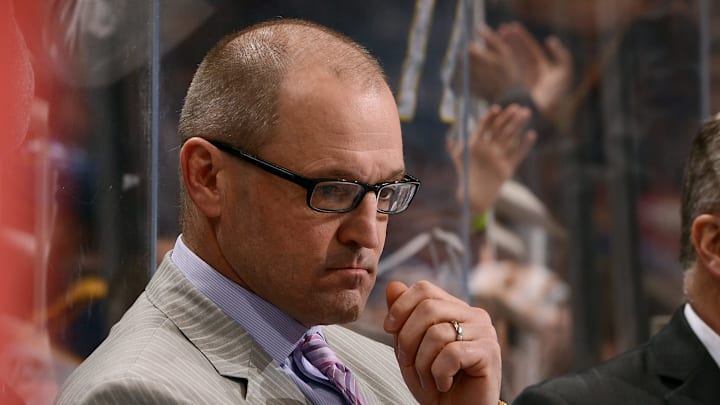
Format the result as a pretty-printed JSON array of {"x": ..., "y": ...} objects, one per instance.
[
  {"x": 440, "y": 339},
  {"x": 559, "y": 53},
  {"x": 425, "y": 316},
  {"x": 486, "y": 123},
  {"x": 480, "y": 57},
  {"x": 479, "y": 349},
  {"x": 422, "y": 324},
  {"x": 402, "y": 306},
  {"x": 402, "y": 302},
  {"x": 510, "y": 133},
  {"x": 524, "y": 41},
  {"x": 528, "y": 140},
  {"x": 479, "y": 359},
  {"x": 483, "y": 63},
  {"x": 494, "y": 42},
  {"x": 435, "y": 339},
  {"x": 501, "y": 124},
  {"x": 393, "y": 291}
]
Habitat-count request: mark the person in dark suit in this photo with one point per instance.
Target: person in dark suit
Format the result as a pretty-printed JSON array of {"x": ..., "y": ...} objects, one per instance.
[{"x": 681, "y": 363}]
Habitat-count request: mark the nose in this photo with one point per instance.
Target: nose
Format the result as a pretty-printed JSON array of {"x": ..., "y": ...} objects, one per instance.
[{"x": 364, "y": 226}]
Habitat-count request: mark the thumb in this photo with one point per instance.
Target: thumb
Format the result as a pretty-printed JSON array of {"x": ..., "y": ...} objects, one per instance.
[{"x": 393, "y": 291}]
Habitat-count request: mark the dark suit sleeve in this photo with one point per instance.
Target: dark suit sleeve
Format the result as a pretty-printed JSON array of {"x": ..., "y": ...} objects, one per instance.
[
  {"x": 614, "y": 382},
  {"x": 591, "y": 386},
  {"x": 536, "y": 396}
]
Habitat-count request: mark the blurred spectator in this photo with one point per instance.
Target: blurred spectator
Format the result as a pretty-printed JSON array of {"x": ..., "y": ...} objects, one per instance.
[
  {"x": 609, "y": 151},
  {"x": 496, "y": 148},
  {"x": 511, "y": 64},
  {"x": 527, "y": 301}
]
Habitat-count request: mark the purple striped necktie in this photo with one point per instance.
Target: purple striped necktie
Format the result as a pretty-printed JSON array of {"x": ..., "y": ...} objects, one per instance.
[{"x": 316, "y": 350}]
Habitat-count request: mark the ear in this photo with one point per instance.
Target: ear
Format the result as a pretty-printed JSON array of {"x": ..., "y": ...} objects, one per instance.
[
  {"x": 200, "y": 163},
  {"x": 705, "y": 235}
]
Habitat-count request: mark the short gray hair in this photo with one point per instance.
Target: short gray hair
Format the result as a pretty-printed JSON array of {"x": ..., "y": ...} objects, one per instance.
[
  {"x": 700, "y": 186},
  {"x": 234, "y": 92}
]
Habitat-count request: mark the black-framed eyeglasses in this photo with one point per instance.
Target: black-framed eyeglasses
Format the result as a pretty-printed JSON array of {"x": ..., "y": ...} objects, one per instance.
[{"x": 337, "y": 195}]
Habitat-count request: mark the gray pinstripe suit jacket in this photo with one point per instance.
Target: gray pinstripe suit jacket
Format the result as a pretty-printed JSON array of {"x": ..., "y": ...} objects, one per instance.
[{"x": 174, "y": 346}]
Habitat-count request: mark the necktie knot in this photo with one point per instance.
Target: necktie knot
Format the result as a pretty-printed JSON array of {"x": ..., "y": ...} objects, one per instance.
[{"x": 319, "y": 354}]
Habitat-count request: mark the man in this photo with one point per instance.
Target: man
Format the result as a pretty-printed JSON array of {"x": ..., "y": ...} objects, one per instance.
[
  {"x": 291, "y": 164},
  {"x": 681, "y": 363}
]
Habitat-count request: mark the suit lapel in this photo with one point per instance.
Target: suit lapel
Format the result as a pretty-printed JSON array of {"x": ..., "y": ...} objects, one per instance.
[
  {"x": 226, "y": 345},
  {"x": 699, "y": 389},
  {"x": 684, "y": 364}
]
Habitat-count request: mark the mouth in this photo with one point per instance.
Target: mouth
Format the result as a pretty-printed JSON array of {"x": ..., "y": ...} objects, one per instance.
[
  {"x": 356, "y": 265},
  {"x": 353, "y": 267},
  {"x": 352, "y": 275}
]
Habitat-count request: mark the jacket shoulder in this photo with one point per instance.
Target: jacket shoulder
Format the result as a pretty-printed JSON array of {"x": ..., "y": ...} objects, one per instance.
[
  {"x": 628, "y": 378},
  {"x": 144, "y": 359}
]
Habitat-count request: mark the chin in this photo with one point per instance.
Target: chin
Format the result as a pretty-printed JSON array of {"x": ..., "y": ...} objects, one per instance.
[
  {"x": 346, "y": 312},
  {"x": 353, "y": 315},
  {"x": 339, "y": 307}
]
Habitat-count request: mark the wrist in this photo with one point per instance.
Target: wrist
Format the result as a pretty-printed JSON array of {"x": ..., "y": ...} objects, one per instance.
[{"x": 479, "y": 222}]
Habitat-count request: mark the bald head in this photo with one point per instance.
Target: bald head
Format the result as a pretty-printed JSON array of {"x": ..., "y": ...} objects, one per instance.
[{"x": 234, "y": 93}]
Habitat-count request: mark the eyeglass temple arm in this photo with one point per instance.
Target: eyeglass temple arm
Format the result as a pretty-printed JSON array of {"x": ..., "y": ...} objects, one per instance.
[{"x": 263, "y": 164}]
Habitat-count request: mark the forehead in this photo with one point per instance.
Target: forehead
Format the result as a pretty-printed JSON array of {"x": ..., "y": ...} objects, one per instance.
[{"x": 323, "y": 118}]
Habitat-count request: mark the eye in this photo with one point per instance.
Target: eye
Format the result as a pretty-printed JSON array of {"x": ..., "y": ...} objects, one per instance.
[
  {"x": 336, "y": 190},
  {"x": 386, "y": 193}
]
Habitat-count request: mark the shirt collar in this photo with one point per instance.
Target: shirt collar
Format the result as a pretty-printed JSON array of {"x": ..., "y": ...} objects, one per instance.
[
  {"x": 708, "y": 337},
  {"x": 275, "y": 331}
]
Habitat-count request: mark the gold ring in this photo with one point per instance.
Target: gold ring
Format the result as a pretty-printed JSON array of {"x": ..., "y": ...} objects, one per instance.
[{"x": 458, "y": 330}]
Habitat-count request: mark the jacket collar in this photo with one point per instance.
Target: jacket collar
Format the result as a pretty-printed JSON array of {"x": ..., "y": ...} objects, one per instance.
[
  {"x": 683, "y": 363},
  {"x": 227, "y": 346}
]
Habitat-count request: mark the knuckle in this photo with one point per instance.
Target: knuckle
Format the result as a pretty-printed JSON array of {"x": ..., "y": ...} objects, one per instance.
[
  {"x": 438, "y": 333},
  {"x": 428, "y": 310},
  {"x": 424, "y": 287},
  {"x": 481, "y": 316}
]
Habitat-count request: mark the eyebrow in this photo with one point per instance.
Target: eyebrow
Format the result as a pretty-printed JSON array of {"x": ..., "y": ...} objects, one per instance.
[{"x": 347, "y": 175}]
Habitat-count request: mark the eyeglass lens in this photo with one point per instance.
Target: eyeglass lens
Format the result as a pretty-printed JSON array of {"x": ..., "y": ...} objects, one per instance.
[{"x": 343, "y": 196}]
